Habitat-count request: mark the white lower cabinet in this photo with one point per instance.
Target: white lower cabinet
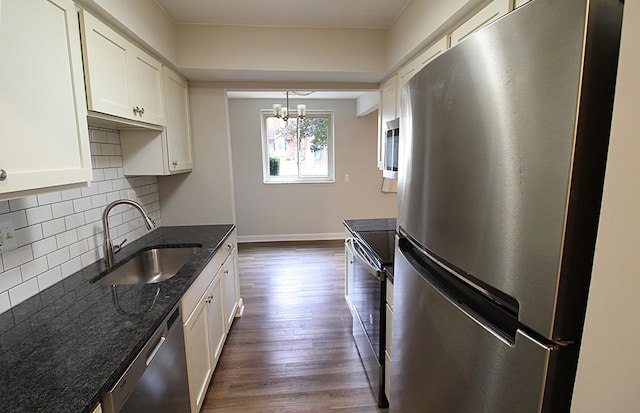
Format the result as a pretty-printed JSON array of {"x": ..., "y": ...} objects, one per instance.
[
  {"x": 230, "y": 283},
  {"x": 208, "y": 309},
  {"x": 217, "y": 329},
  {"x": 197, "y": 344}
]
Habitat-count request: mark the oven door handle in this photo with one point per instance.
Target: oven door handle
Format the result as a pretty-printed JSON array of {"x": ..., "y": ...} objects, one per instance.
[{"x": 361, "y": 255}]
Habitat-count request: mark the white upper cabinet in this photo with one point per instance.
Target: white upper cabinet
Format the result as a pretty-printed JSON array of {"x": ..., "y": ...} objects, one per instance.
[
  {"x": 491, "y": 12},
  {"x": 122, "y": 80},
  {"x": 164, "y": 151},
  {"x": 176, "y": 92},
  {"x": 414, "y": 66},
  {"x": 44, "y": 140}
]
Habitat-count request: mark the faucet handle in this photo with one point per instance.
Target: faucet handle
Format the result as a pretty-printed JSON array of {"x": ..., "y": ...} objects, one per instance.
[{"x": 118, "y": 247}]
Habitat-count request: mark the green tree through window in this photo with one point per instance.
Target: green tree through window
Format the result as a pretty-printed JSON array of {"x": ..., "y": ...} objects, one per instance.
[{"x": 298, "y": 150}]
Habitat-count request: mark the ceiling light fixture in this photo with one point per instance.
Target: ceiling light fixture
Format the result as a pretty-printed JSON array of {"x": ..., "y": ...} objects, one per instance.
[{"x": 283, "y": 112}]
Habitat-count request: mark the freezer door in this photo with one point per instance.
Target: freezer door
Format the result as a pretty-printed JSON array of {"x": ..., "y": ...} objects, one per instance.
[{"x": 447, "y": 360}]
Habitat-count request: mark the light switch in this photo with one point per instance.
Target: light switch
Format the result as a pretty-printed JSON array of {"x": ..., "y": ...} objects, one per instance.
[{"x": 347, "y": 177}]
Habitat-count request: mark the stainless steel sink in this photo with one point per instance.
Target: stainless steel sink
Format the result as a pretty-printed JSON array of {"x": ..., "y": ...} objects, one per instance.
[{"x": 150, "y": 266}]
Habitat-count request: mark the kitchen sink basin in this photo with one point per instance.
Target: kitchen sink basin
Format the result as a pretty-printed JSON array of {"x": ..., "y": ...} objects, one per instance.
[{"x": 150, "y": 266}]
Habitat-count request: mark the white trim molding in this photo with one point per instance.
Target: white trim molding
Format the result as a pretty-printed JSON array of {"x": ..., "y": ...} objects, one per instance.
[{"x": 290, "y": 237}]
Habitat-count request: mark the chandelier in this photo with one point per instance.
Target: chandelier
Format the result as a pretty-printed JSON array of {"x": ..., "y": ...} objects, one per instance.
[{"x": 283, "y": 112}]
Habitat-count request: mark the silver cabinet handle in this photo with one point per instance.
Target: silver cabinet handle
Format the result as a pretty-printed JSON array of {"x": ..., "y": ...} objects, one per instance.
[
  {"x": 3, "y": 175},
  {"x": 174, "y": 163},
  {"x": 141, "y": 111}
]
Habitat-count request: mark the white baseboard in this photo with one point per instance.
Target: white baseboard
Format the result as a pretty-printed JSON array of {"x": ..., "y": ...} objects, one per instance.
[{"x": 290, "y": 237}]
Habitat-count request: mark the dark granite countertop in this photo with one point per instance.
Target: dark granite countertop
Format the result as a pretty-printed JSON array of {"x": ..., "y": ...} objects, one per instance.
[
  {"x": 63, "y": 349},
  {"x": 374, "y": 224},
  {"x": 370, "y": 231}
]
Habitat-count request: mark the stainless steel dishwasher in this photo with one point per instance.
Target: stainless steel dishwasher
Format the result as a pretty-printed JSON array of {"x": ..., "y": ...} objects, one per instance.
[{"x": 156, "y": 381}]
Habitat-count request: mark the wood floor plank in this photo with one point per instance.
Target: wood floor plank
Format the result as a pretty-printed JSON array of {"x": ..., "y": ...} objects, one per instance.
[{"x": 292, "y": 351}]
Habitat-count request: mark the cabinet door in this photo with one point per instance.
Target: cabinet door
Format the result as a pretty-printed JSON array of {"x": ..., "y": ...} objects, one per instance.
[
  {"x": 413, "y": 67},
  {"x": 197, "y": 346},
  {"x": 388, "y": 111},
  {"x": 217, "y": 331},
  {"x": 230, "y": 289},
  {"x": 147, "y": 87},
  {"x": 176, "y": 92},
  {"x": 106, "y": 64},
  {"x": 43, "y": 125},
  {"x": 489, "y": 13}
]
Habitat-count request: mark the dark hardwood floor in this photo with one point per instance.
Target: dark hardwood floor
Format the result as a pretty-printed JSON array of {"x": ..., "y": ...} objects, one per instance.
[{"x": 292, "y": 351}]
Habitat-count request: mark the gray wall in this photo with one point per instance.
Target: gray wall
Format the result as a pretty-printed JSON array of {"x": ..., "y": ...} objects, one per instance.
[{"x": 306, "y": 211}]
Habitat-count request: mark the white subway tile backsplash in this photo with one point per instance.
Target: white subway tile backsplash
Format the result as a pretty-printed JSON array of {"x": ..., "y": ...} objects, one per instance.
[
  {"x": 71, "y": 266},
  {"x": 93, "y": 215},
  {"x": 51, "y": 228},
  {"x": 10, "y": 279},
  {"x": 99, "y": 201},
  {"x": 71, "y": 193},
  {"x": 79, "y": 248},
  {"x": 81, "y": 204},
  {"x": 23, "y": 203},
  {"x": 58, "y": 257},
  {"x": 89, "y": 190},
  {"x": 98, "y": 175},
  {"x": 90, "y": 257},
  {"x": 28, "y": 235},
  {"x": 49, "y": 198},
  {"x": 5, "y": 304},
  {"x": 111, "y": 173},
  {"x": 60, "y": 232},
  {"x": 105, "y": 186},
  {"x": 66, "y": 238},
  {"x": 34, "y": 268},
  {"x": 98, "y": 136},
  {"x": 49, "y": 278},
  {"x": 74, "y": 221},
  {"x": 44, "y": 247},
  {"x": 17, "y": 257},
  {"x": 113, "y": 137},
  {"x": 62, "y": 209},
  {"x": 19, "y": 218},
  {"x": 23, "y": 291},
  {"x": 39, "y": 214},
  {"x": 115, "y": 161}
]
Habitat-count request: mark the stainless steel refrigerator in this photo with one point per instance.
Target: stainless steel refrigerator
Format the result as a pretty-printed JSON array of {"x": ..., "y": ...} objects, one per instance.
[{"x": 503, "y": 142}]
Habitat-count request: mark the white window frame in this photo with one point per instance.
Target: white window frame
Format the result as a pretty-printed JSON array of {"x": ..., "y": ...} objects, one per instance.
[{"x": 267, "y": 179}]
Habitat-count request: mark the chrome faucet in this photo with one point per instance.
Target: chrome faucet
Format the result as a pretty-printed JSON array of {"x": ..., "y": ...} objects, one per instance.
[{"x": 108, "y": 246}]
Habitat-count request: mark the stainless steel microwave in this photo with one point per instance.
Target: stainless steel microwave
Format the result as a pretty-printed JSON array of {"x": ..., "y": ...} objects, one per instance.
[{"x": 392, "y": 136}]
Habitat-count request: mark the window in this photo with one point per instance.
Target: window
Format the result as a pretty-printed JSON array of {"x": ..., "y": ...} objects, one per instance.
[{"x": 298, "y": 150}]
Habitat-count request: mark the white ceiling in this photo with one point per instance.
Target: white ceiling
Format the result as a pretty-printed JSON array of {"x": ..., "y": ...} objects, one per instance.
[
  {"x": 274, "y": 95},
  {"x": 286, "y": 13}
]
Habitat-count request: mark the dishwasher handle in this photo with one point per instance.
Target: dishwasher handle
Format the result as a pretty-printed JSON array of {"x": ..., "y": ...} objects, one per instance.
[{"x": 155, "y": 348}]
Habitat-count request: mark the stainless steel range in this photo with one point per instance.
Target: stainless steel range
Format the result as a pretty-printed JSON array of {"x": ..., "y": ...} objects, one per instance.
[{"x": 371, "y": 252}]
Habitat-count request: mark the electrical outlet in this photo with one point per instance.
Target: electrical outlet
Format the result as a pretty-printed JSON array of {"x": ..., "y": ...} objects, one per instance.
[
  {"x": 8, "y": 240},
  {"x": 347, "y": 177}
]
